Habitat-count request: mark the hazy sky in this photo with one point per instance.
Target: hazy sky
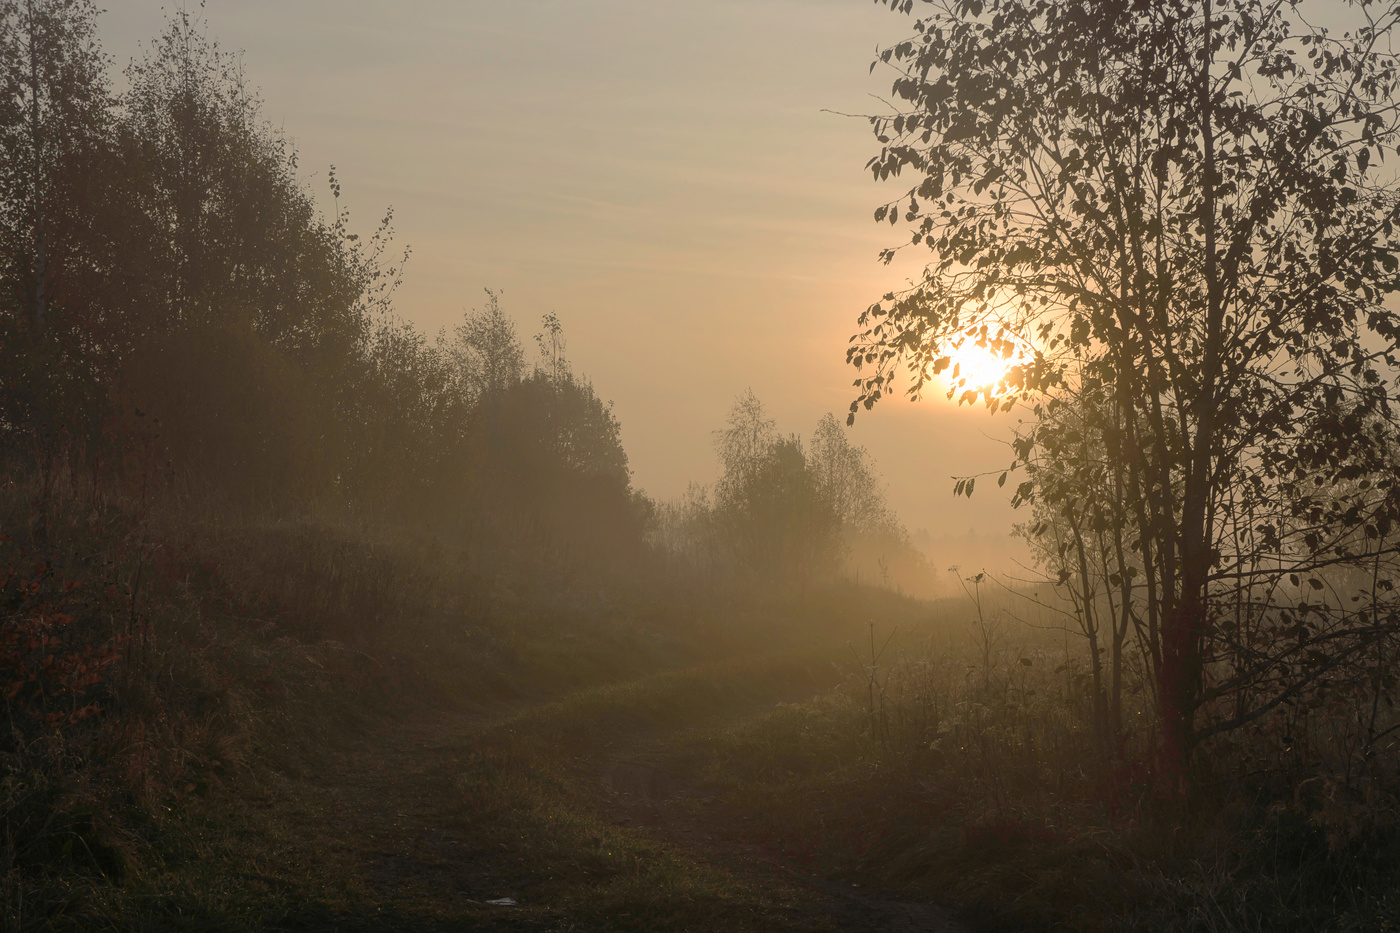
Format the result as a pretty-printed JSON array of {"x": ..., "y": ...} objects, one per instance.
[{"x": 660, "y": 173}]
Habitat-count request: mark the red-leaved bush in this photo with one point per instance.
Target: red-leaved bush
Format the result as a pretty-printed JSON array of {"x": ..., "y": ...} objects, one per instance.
[{"x": 50, "y": 662}]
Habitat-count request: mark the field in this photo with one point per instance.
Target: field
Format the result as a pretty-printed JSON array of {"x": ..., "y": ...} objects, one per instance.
[{"x": 320, "y": 731}]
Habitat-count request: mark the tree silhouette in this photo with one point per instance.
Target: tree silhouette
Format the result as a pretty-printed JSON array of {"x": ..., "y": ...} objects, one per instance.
[
  {"x": 777, "y": 520},
  {"x": 54, "y": 98},
  {"x": 1181, "y": 211},
  {"x": 486, "y": 353},
  {"x": 847, "y": 479}
]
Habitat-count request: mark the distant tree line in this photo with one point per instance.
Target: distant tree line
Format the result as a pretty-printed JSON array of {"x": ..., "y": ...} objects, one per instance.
[
  {"x": 787, "y": 514},
  {"x": 178, "y": 315},
  {"x": 175, "y": 310}
]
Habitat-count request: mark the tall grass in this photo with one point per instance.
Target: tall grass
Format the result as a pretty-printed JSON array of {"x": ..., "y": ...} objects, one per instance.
[
  {"x": 960, "y": 759},
  {"x": 146, "y": 658}
]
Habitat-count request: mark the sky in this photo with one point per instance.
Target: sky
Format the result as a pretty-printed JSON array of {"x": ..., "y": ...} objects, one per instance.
[{"x": 676, "y": 180}]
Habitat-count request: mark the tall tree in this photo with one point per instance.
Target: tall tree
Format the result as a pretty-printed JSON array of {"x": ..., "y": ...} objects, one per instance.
[
  {"x": 54, "y": 107},
  {"x": 235, "y": 237},
  {"x": 746, "y": 439},
  {"x": 1181, "y": 206},
  {"x": 53, "y": 95},
  {"x": 254, "y": 326}
]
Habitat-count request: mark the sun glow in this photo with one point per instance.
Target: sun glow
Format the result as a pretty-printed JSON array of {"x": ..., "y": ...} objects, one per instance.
[
  {"x": 979, "y": 365},
  {"x": 974, "y": 367}
]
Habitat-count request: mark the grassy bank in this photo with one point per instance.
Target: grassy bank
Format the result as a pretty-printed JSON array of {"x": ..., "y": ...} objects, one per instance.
[{"x": 190, "y": 683}]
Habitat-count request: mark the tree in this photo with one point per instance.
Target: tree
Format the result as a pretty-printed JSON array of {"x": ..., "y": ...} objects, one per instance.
[
  {"x": 1079, "y": 535},
  {"x": 777, "y": 521},
  {"x": 552, "y": 345},
  {"x": 545, "y": 456},
  {"x": 685, "y": 533},
  {"x": 745, "y": 441},
  {"x": 160, "y": 258},
  {"x": 233, "y": 235},
  {"x": 561, "y": 425},
  {"x": 1180, "y": 209},
  {"x": 258, "y": 330},
  {"x": 875, "y": 545},
  {"x": 846, "y": 478},
  {"x": 54, "y": 101},
  {"x": 404, "y": 421},
  {"x": 53, "y": 93},
  {"x": 487, "y": 354}
]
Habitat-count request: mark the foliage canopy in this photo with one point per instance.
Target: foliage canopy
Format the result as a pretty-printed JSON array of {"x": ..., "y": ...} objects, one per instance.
[{"x": 1178, "y": 218}]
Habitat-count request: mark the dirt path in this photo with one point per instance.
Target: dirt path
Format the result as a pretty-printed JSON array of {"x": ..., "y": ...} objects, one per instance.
[
  {"x": 367, "y": 837},
  {"x": 381, "y": 815},
  {"x": 646, "y": 792}
]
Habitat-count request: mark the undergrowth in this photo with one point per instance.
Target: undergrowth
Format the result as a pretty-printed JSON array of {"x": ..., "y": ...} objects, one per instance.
[
  {"x": 162, "y": 664},
  {"x": 137, "y": 675},
  {"x": 943, "y": 771},
  {"x": 161, "y": 673}
]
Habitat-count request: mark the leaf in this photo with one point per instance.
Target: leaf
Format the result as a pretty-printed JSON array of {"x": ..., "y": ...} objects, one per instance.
[{"x": 1001, "y": 480}]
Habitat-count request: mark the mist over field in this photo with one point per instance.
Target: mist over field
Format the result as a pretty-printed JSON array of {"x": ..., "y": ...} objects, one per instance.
[
  {"x": 843, "y": 466},
  {"x": 667, "y": 178}
]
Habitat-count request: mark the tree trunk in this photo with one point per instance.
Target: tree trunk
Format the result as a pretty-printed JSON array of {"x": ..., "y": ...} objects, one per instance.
[
  {"x": 1183, "y": 639},
  {"x": 40, "y": 272}
]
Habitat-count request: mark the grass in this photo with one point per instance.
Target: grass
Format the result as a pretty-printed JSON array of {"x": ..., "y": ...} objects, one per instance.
[
  {"x": 263, "y": 665},
  {"x": 312, "y": 727},
  {"x": 511, "y": 814},
  {"x": 606, "y": 876},
  {"x": 946, "y": 790}
]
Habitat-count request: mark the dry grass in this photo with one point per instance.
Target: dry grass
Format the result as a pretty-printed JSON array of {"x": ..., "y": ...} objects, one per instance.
[
  {"x": 251, "y": 652},
  {"x": 945, "y": 772},
  {"x": 953, "y": 762}
]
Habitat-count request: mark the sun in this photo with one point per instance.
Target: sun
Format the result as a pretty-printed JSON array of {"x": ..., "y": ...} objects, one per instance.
[{"x": 978, "y": 367}]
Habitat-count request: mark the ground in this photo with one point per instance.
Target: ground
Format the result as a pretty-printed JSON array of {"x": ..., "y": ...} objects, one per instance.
[{"x": 586, "y": 813}]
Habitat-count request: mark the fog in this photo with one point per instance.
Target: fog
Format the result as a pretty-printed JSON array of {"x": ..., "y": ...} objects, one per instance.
[
  {"x": 458, "y": 467},
  {"x": 669, "y": 178}
]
